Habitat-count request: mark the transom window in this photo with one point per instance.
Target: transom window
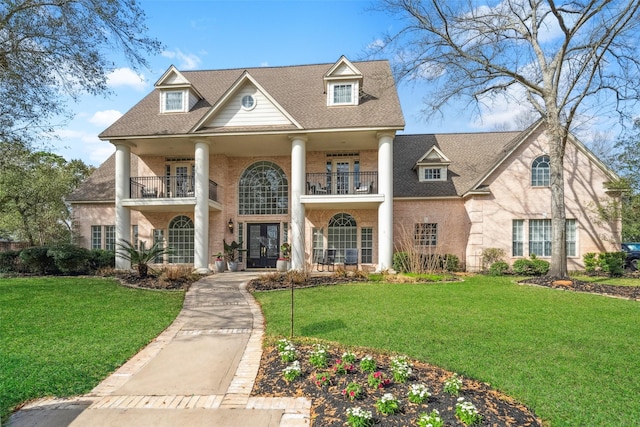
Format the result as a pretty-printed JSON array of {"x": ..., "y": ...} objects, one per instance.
[
  {"x": 263, "y": 190},
  {"x": 342, "y": 234},
  {"x": 181, "y": 238},
  {"x": 173, "y": 101},
  {"x": 540, "y": 172},
  {"x": 426, "y": 234}
]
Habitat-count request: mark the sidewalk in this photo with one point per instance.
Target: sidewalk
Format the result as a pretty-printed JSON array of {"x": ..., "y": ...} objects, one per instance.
[{"x": 198, "y": 372}]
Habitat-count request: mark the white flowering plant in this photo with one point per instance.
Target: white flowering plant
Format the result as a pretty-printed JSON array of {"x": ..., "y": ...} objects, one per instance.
[
  {"x": 287, "y": 350},
  {"x": 349, "y": 357},
  {"x": 318, "y": 357},
  {"x": 453, "y": 385},
  {"x": 432, "y": 419},
  {"x": 367, "y": 364},
  {"x": 467, "y": 412},
  {"x": 418, "y": 393},
  {"x": 401, "y": 368},
  {"x": 358, "y": 417},
  {"x": 292, "y": 371},
  {"x": 388, "y": 404}
]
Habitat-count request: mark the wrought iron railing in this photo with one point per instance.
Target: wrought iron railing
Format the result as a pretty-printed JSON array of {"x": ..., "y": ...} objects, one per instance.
[
  {"x": 153, "y": 187},
  {"x": 342, "y": 183}
]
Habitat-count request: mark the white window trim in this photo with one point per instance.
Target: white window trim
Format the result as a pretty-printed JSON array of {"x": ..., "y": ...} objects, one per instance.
[
  {"x": 443, "y": 173},
  {"x": 355, "y": 90},
  {"x": 163, "y": 101}
]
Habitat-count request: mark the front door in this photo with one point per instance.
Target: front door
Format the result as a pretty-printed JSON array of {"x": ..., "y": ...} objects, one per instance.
[{"x": 264, "y": 245}]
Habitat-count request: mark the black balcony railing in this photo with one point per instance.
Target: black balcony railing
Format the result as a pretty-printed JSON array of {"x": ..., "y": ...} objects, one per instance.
[
  {"x": 342, "y": 183},
  {"x": 153, "y": 187}
]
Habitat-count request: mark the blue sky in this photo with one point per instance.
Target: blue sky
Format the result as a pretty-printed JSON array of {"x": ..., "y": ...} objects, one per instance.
[{"x": 215, "y": 34}]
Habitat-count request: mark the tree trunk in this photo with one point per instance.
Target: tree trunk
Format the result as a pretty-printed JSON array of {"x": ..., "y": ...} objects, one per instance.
[{"x": 557, "y": 140}]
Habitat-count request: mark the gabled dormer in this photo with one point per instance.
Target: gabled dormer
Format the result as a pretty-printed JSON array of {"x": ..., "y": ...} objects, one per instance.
[
  {"x": 343, "y": 83},
  {"x": 433, "y": 166},
  {"x": 177, "y": 94}
]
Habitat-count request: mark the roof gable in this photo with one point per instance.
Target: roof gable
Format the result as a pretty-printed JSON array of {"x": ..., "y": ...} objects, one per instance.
[
  {"x": 343, "y": 69},
  {"x": 172, "y": 77},
  {"x": 228, "y": 111},
  {"x": 433, "y": 157}
]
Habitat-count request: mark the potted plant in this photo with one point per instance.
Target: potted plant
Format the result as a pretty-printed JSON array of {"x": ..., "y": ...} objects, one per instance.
[
  {"x": 284, "y": 262},
  {"x": 220, "y": 262},
  {"x": 231, "y": 251}
]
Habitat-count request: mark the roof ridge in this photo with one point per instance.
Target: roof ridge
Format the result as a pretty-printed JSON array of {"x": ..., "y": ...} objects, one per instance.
[{"x": 277, "y": 66}]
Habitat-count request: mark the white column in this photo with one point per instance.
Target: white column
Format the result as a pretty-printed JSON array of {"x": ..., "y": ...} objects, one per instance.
[
  {"x": 123, "y": 190},
  {"x": 201, "y": 211},
  {"x": 385, "y": 210},
  {"x": 298, "y": 180}
]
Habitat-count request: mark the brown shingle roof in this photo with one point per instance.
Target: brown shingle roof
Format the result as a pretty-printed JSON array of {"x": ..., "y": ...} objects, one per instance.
[
  {"x": 101, "y": 184},
  {"x": 298, "y": 89},
  {"x": 472, "y": 155}
]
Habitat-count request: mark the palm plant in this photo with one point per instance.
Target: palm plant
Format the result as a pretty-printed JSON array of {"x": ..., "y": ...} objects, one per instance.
[{"x": 141, "y": 257}]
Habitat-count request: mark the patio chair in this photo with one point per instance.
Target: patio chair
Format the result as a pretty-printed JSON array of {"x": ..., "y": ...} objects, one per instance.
[
  {"x": 319, "y": 189},
  {"x": 363, "y": 188},
  {"x": 351, "y": 257},
  {"x": 149, "y": 192},
  {"x": 328, "y": 259}
]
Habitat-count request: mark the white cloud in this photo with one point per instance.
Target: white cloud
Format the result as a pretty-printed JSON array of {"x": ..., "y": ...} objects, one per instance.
[
  {"x": 104, "y": 118},
  {"x": 186, "y": 61},
  {"x": 264, "y": 64},
  {"x": 83, "y": 145},
  {"x": 126, "y": 77}
]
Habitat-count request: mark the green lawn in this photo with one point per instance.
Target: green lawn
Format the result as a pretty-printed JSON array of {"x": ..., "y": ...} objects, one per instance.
[
  {"x": 616, "y": 281},
  {"x": 573, "y": 358},
  {"x": 62, "y": 336}
]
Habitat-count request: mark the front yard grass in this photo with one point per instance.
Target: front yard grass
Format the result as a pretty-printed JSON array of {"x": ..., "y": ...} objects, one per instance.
[
  {"x": 62, "y": 336},
  {"x": 573, "y": 358},
  {"x": 604, "y": 280}
]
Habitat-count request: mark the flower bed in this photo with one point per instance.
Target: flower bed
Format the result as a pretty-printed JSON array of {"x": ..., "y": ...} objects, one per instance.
[{"x": 342, "y": 396}]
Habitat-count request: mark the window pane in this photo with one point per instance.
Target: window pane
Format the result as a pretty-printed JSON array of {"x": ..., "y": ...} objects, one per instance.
[
  {"x": 96, "y": 237},
  {"x": 570, "y": 228},
  {"x": 540, "y": 237},
  {"x": 173, "y": 101},
  {"x": 518, "y": 237},
  {"x": 342, "y": 94},
  {"x": 318, "y": 244},
  {"x": 426, "y": 234},
  {"x": 432, "y": 174},
  {"x": 540, "y": 171},
  {"x": 158, "y": 236},
  {"x": 342, "y": 234},
  {"x": 110, "y": 237},
  {"x": 181, "y": 237},
  {"x": 263, "y": 190},
  {"x": 366, "y": 243}
]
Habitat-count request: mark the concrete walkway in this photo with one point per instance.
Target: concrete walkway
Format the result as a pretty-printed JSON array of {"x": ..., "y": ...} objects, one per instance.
[{"x": 198, "y": 372}]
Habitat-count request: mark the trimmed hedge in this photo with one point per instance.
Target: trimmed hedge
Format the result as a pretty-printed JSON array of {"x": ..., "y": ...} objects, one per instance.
[
  {"x": 531, "y": 267},
  {"x": 499, "y": 268},
  {"x": 63, "y": 258}
]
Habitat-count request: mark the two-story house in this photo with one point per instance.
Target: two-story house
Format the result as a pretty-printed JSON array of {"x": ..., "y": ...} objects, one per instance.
[{"x": 309, "y": 155}]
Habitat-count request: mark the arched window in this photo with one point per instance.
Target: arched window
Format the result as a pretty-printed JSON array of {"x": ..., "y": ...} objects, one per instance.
[
  {"x": 343, "y": 234},
  {"x": 181, "y": 236},
  {"x": 540, "y": 172},
  {"x": 263, "y": 190}
]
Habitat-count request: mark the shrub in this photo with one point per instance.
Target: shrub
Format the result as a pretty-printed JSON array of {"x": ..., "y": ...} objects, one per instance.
[
  {"x": 612, "y": 263},
  {"x": 452, "y": 262},
  {"x": 498, "y": 268},
  {"x": 531, "y": 267},
  {"x": 100, "y": 259},
  {"x": 401, "y": 262},
  {"x": 36, "y": 260},
  {"x": 590, "y": 262},
  {"x": 491, "y": 256},
  {"x": 70, "y": 259},
  {"x": 9, "y": 262}
]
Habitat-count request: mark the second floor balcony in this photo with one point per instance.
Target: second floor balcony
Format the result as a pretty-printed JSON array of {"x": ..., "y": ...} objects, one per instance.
[
  {"x": 168, "y": 187},
  {"x": 342, "y": 183}
]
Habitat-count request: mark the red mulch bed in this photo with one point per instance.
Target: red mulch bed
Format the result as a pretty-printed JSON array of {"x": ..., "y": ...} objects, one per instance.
[{"x": 329, "y": 406}]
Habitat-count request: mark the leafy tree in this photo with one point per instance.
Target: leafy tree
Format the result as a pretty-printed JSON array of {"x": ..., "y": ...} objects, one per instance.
[
  {"x": 626, "y": 161},
  {"x": 33, "y": 185},
  {"x": 51, "y": 50},
  {"x": 555, "y": 56}
]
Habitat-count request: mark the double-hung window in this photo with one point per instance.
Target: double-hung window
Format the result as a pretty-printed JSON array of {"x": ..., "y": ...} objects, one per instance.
[
  {"x": 342, "y": 94},
  {"x": 518, "y": 237},
  {"x": 173, "y": 101},
  {"x": 540, "y": 237}
]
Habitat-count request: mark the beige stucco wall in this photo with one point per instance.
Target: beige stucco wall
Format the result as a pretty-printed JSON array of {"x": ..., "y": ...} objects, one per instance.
[{"x": 513, "y": 197}]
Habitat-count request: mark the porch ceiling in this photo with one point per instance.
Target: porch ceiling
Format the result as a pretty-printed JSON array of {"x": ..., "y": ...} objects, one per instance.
[{"x": 368, "y": 201}]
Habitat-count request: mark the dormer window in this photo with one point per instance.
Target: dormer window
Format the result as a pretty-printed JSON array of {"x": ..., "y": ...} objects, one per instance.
[
  {"x": 430, "y": 173},
  {"x": 173, "y": 101},
  {"x": 343, "y": 93},
  {"x": 433, "y": 166}
]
